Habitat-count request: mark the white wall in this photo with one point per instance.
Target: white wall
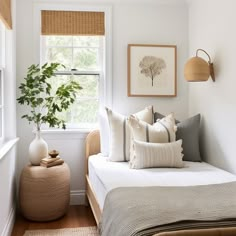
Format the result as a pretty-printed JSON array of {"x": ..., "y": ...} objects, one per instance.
[
  {"x": 141, "y": 22},
  {"x": 149, "y": 24},
  {"x": 212, "y": 27}
]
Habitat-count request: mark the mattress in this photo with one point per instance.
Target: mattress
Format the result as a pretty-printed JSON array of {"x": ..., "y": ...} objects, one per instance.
[{"x": 105, "y": 176}]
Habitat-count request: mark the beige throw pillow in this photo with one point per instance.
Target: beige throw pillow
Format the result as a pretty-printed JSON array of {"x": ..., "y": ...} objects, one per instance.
[
  {"x": 163, "y": 131},
  {"x": 150, "y": 155},
  {"x": 120, "y": 132}
]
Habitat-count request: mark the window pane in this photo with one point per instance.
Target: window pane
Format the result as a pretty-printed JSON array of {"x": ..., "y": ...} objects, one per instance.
[
  {"x": 58, "y": 80},
  {"x": 84, "y": 113},
  {"x": 86, "y": 41},
  {"x": 2, "y": 44},
  {"x": 81, "y": 53},
  {"x": 1, "y": 89},
  {"x": 1, "y": 122},
  {"x": 58, "y": 41},
  {"x": 86, "y": 59},
  {"x": 89, "y": 83},
  {"x": 60, "y": 55}
]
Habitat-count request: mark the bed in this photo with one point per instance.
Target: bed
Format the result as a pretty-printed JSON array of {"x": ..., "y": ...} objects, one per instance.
[{"x": 104, "y": 177}]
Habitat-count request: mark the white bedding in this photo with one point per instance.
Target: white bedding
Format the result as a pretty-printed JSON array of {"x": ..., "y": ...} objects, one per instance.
[{"x": 105, "y": 176}]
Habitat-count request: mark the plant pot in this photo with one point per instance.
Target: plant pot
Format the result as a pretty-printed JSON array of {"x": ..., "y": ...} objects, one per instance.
[{"x": 38, "y": 149}]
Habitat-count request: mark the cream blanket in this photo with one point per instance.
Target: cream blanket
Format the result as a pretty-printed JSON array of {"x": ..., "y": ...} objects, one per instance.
[{"x": 136, "y": 211}]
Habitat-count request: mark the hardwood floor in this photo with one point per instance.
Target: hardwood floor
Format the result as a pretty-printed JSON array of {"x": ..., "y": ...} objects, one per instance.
[{"x": 77, "y": 216}]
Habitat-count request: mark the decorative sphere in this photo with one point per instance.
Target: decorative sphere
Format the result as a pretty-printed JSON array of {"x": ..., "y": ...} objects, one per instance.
[{"x": 196, "y": 69}]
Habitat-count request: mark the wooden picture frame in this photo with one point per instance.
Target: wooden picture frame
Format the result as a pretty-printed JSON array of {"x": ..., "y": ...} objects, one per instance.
[{"x": 152, "y": 70}]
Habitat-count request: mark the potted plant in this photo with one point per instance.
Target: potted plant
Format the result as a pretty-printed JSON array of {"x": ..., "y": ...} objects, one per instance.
[{"x": 44, "y": 104}]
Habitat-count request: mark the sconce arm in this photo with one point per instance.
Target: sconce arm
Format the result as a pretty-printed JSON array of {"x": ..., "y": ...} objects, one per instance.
[
  {"x": 210, "y": 63},
  {"x": 205, "y": 52}
]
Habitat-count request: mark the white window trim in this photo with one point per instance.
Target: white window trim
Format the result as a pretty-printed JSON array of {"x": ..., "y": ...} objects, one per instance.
[
  {"x": 3, "y": 44},
  {"x": 2, "y": 104},
  {"x": 7, "y": 65},
  {"x": 7, "y": 147},
  {"x": 2, "y": 65},
  {"x": 106, "y": 78}
]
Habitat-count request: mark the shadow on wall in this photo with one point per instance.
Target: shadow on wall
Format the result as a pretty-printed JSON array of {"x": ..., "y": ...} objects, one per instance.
[{"x": 208, "y": 136}]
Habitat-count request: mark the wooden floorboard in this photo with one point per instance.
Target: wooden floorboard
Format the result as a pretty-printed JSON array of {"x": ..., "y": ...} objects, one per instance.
[{"x": 77, "y": 216}]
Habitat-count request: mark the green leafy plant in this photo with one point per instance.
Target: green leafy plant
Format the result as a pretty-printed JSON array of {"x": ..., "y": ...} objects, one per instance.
[{"x": 36, "y": 92}]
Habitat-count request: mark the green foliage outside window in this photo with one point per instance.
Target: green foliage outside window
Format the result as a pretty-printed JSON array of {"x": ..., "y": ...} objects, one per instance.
[{"x": 80, "y": 53}]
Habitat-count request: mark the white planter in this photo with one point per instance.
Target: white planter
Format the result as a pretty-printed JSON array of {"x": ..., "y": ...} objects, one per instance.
[{"x": 38, "y": 149}]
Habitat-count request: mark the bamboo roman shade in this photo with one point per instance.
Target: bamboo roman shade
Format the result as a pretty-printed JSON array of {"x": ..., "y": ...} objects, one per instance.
[
  {"x": 72, "y": 23},
  {"x": 5, "y": 13}
]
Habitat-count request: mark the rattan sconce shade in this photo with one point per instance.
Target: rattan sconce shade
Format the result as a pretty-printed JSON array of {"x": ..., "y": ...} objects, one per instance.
[
  {"x": 72, "y": 23},
  {"x": 196, "y": 69},
  {"x": 5, "y": 13}
]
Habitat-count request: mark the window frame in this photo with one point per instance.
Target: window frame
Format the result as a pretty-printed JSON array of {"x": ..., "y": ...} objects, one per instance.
[
  {"x": 1, "y": 105},
  {"x": 97, "y": 73},
  {"x": 105, "y": 80},
  {"x": 2, "y": 66}
]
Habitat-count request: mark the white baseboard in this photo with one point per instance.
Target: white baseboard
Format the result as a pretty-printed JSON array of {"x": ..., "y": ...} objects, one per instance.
[
  {"x": 78, "y": 197},
  {"x": 10, "y": 223}
]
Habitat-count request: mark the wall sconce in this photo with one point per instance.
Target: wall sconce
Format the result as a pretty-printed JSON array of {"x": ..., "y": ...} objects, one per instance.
[{"x": 197, "y": 69}]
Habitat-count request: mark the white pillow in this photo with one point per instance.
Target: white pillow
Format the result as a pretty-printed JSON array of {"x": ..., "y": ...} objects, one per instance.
[
  {"x": 120, "y": 133},
  {"x": 168, "y": 123},
  {"x": 163, "y": 131},
  {"x": 104, "y": 132},
  {"x": 150, "y": 155}
]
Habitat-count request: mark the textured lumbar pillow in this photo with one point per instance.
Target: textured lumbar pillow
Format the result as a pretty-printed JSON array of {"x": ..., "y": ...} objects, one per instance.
[
  {"x": 120, "y": 133},
  {"x": 188, "y": 130},
  {"x": 150, "y": 155}
]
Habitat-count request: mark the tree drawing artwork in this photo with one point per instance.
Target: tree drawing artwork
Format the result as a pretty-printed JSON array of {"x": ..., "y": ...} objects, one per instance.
[{"x": 152, "y": 66}]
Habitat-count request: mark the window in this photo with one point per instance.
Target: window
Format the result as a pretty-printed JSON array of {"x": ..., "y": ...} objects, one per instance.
[
  {"x": 2, "y": 64},
  {"x": 76, "y": 39},
  {"x": 82, "y": 57},
  {"x": 1, "y": 104}
]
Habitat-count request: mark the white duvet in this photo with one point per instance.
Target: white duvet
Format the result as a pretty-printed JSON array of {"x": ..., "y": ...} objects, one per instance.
[{"x": 105, "y": 176}]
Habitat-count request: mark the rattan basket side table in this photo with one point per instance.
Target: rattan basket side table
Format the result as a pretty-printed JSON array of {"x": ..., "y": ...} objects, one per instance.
[{"x": 44, "y": 192}]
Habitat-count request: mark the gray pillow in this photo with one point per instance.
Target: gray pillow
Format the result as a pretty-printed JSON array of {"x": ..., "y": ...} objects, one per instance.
[{"x": 187, "y": 130}]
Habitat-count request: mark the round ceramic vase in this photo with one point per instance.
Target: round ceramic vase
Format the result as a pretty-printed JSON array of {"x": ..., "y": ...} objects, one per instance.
[{"x": 38, "y": 149}]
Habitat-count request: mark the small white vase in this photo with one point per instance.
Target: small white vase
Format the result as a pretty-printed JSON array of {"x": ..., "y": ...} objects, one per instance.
[{"x": 38, "y": 149}]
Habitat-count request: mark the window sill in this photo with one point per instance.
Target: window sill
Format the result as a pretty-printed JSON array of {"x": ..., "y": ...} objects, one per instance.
[
  {"x": 65, "y": 134},
  {"x": 6, "y": 147},
  {"x": 66, "y": 131}
]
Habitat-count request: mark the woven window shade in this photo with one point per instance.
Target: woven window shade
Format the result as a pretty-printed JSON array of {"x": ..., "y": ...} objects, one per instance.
[
  {"x": 72, "y": 23},
  {"x": 5, "y": 13}
]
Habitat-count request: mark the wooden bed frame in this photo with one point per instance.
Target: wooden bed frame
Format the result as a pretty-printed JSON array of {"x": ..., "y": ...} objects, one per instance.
[{"x": 92, "y": 148}]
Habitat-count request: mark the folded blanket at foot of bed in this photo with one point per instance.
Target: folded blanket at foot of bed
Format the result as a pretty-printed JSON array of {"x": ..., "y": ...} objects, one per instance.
[{"x": 137, "y": 211}]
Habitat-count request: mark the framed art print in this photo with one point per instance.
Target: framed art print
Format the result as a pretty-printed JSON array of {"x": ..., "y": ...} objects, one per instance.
[{"x": 151, "y": 70}]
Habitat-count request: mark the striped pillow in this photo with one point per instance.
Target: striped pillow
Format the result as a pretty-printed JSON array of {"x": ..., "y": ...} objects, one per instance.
[
  {"x": 163, "y": 131},
  {"x": 120, "y": 133},
  {"x": 150, "y": 155}
]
